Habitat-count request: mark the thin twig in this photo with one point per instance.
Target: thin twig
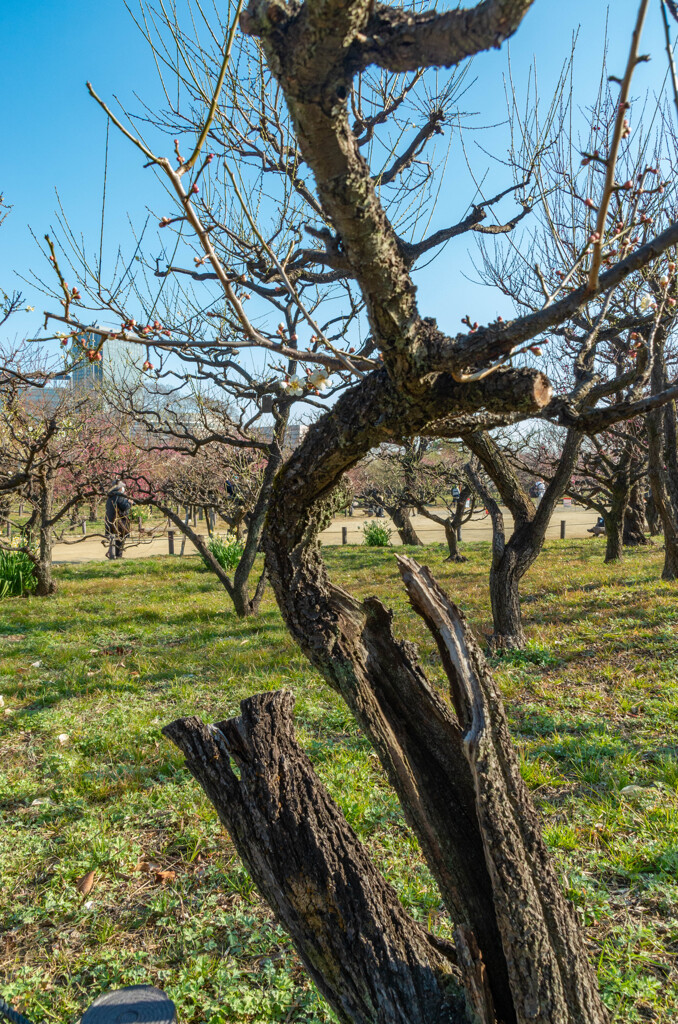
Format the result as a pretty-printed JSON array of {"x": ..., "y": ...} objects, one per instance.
[
  {"x": 344, "y": 360},
  {"x": 669, "y": 53},
  {"x": 215, "y": 98},
  {"x": 137, "y": 142},
  {"x": 609, "y": 186}
]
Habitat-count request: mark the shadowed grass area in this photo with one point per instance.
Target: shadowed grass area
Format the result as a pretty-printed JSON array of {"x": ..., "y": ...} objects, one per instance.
[{"x": 87, "y": 782}]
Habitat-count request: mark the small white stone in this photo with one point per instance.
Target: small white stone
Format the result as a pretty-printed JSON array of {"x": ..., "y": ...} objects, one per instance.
[
  {"x": 63, "y": 737},
  {"x": 635, "y": 791}
]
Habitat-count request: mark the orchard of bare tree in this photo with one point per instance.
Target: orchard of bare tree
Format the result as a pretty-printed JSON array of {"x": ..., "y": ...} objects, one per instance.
[{"x": 339, "y": 514}]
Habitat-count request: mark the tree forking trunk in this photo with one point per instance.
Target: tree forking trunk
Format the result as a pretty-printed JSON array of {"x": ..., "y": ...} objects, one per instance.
[{"x": 548, "y": 975}]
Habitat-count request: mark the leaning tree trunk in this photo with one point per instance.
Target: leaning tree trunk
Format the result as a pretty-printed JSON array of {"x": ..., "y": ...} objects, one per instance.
[
  {"x": 633, "y": 532},
  {"x": 198, "y": 542},
  {"x": 400, "y": 514},
  {"x": 528, "y": 938},
  {"x": 245, "y": 603}
]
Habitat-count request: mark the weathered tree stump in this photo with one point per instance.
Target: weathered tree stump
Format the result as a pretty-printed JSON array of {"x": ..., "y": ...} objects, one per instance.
[{"x": 370, "y": 960}]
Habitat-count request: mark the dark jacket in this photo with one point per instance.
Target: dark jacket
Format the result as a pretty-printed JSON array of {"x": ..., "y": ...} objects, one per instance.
[{"x": 117, "y": 514}]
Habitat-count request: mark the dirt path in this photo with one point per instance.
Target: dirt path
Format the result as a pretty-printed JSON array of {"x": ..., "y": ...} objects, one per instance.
[{"x": 577, "y": 521}]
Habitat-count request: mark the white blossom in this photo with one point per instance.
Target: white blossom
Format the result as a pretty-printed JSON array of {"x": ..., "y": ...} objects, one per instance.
[
  {"x": 294, "y": 386},
  {"x": 319, "y": 379}
]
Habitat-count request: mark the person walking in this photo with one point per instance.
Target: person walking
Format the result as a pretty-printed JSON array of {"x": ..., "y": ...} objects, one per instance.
[{"x": 116, "y": 521}]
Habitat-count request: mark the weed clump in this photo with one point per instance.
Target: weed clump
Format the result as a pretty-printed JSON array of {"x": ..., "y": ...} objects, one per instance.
[
  {"x": 17, "y": 574},
  {"x": 376, "y": 535},
  {"x": 227, "y": 552}
]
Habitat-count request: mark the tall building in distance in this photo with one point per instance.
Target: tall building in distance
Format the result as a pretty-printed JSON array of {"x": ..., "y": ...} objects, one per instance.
[
  {"x": 294, "y": 434},
  {"x": 85, "y": 374},
  {"x": 119, "y": 362},
  {"x": 123, "y": 361}
]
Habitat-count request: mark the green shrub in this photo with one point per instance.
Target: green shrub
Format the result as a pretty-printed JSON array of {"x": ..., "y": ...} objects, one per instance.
[
  {"x": 140, "y": 513},
  {"x": 376, "y": 535},
  {"x": 17, "y": 574},
  {"x": 227, "y": 552}
]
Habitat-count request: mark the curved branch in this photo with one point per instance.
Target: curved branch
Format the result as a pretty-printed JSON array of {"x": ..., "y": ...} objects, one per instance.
[{"x": 401, "y": 41}]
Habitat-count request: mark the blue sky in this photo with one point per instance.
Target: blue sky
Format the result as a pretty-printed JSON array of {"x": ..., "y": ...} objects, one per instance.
[{"x": 54, "y": 135}]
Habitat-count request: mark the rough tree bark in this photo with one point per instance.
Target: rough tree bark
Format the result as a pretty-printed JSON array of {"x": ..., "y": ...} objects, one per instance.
[
  {"x": 417, "y": 738},
  {"x": 633, "y": 533},
  {"x": 370, "y": 960},
  {"x": 43, "y": 560},
  {"x": 614, "y": 515},
  {"x": 652, "y": 516}
]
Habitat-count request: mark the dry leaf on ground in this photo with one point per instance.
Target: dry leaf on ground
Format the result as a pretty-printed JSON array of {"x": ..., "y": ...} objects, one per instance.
[
  {"x": 165, "y": 876},
  {"x": 147, "y": 867},
  {"x": 84, "y": 884}
]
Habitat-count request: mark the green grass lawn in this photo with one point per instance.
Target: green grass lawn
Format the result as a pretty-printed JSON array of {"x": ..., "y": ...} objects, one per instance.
[{"x": 124, "y": 648}]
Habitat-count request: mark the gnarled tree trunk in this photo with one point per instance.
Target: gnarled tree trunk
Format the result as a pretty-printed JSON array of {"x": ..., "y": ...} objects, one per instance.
[
  {"x": 452, "y": 765},
  {"x": 310, "y": 867},
  {"x": 402, "y": 520},
  {"x": 633, "y": 534}
]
